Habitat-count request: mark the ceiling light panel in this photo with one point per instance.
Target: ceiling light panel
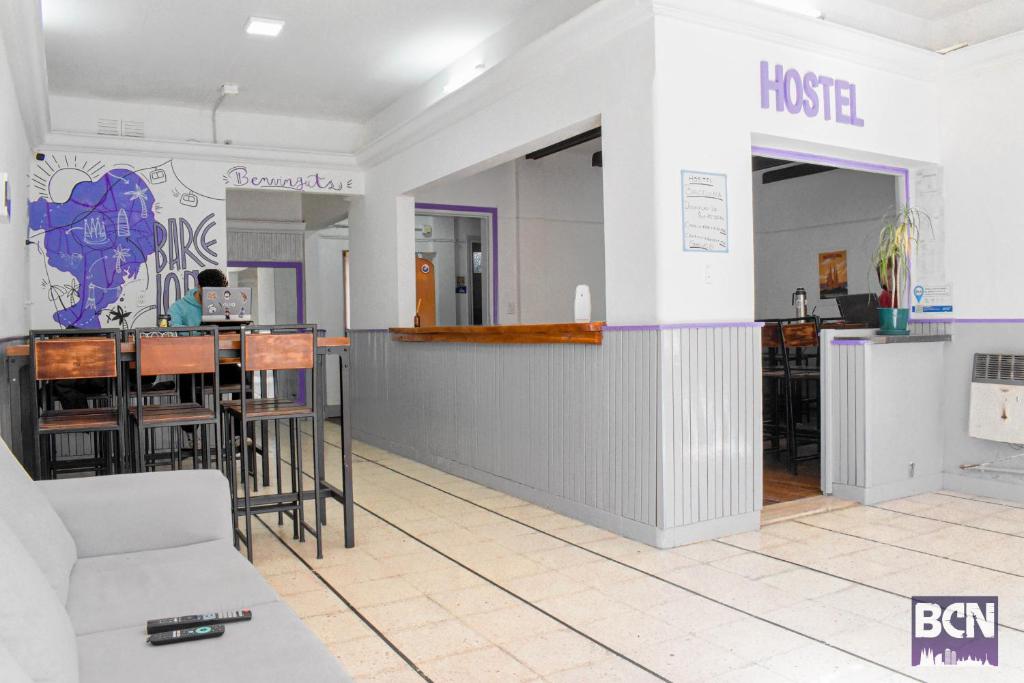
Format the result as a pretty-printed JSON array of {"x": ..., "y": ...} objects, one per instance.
[{"x": 259, "y": 26}]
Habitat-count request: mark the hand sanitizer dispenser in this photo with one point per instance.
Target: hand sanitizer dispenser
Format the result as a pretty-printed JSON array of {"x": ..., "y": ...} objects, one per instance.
[{"x": 582, "y": 303}]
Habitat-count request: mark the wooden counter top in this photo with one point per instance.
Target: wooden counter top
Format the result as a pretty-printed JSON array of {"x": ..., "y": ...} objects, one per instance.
[{"x": 560, "y": 333}]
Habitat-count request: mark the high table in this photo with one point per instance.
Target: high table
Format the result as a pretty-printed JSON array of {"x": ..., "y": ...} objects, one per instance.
[{"x": 230, "y": 346}]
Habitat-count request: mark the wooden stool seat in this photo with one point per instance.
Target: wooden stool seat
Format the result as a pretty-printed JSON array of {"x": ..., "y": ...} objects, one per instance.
[
  {"x": 78, "y": 419},
  {"x": 264, "y": 408},
  {"x": 175, "y": 413}
]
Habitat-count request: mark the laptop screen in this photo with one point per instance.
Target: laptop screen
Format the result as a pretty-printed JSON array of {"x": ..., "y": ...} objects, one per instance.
[{"x": 227, "y": 303}]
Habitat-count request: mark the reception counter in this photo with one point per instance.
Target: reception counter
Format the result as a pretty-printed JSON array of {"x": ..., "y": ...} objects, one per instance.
[
  {"x": 650, "y": 431},
  {"x": 881, "y": 411}
]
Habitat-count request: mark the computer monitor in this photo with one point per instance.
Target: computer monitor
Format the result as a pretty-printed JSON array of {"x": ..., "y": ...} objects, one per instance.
[
  {"x": 224, "y": 304},
  {"x": 859, "y": 308}
]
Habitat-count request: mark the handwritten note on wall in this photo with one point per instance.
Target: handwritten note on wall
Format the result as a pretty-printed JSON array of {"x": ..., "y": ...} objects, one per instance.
[{"x": 705, "y": 212}]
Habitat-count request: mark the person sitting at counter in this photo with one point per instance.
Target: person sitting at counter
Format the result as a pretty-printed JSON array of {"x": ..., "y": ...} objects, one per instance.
[{"x": 188, "y": 312}]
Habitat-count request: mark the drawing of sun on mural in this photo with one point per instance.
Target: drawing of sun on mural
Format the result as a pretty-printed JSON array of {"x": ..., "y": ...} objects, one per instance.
[{"x": 108, "y": 251}]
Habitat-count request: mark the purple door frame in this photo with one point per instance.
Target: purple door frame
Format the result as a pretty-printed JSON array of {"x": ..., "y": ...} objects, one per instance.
[
  {"x": 492, "y": 213},
  {"x": 300, "y": 298}
]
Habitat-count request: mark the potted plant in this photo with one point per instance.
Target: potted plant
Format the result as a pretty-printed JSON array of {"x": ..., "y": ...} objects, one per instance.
[{"x": 897, "y": 239}]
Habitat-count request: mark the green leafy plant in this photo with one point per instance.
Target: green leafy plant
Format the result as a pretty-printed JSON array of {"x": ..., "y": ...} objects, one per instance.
[{"x": 897, "y": 241}]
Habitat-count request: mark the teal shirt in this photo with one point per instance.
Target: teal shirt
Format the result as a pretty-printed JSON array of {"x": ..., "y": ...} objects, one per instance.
[{"x": 186, "y": 312}]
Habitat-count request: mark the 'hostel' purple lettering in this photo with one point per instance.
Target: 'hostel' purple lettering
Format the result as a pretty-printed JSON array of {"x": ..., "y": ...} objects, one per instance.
[{"x": 809, "y": 93}]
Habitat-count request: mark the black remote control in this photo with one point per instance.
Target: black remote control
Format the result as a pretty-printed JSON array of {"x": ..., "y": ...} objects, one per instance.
[
  {"x": 186, "y": 634},
  {"x": 193, "y": 620}
]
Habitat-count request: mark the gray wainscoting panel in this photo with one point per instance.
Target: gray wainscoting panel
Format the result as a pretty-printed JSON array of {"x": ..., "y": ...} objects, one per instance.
[
  {"x": 711, "y": 424},
  {"x": 845, "y": 408},
  {"x": 575, "y": 422},
  {"x": 931, "y": 327}
]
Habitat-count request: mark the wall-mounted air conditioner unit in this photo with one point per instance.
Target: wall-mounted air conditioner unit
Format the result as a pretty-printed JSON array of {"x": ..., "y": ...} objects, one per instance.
[{"x": 997, "y": 398}]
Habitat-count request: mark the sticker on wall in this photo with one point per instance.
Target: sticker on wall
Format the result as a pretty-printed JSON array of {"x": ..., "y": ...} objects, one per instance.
[
  {"x": 5, "y": 197},
  {"x": 705, "y": 212},
  {"x": 832, "y": 278}
]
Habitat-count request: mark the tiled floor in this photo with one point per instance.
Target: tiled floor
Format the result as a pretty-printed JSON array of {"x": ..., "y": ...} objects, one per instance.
[{"x": 452, "y": 581}]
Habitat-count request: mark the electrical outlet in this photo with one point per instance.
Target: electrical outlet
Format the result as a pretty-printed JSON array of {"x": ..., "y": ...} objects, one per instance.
[{"x": 911, "y": 468}]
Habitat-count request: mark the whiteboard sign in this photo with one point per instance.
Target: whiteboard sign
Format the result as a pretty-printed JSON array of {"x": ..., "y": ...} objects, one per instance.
[{"x": 705, "y": 212}]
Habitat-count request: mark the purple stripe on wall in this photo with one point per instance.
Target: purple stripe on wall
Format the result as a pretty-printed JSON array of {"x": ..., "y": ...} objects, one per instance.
[
  {"x": 841, "y": 163},
  {"x": 680, "y": 326},
  {"x": 493, "y": 213},
  {"x": 850, "y": 342},
  {"x": 970, "y": 321}
]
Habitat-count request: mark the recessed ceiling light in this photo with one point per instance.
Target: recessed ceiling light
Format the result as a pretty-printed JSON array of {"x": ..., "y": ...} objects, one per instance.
[
  {"x": 258, "y": 26},
  {"x": 952, "y": 48},
  {"x": 800, "y": 7}
]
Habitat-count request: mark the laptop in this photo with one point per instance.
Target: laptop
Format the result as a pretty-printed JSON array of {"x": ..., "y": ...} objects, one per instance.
[
  {"x": 224, "y": 304},
  {"x": 859, "y": 308}
]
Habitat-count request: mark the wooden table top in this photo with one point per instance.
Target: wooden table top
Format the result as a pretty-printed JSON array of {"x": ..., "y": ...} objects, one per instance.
[
  {"x": 558, "y": 333},
  {"x": 228, "y": 342}
]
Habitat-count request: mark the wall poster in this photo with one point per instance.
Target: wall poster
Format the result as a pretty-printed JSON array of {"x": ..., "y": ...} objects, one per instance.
[
  {"x": 832, "y": 274},
  {"x": 705, "y": 212}
]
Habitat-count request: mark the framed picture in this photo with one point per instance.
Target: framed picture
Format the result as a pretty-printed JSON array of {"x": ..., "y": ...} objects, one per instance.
[{"x": 832, "y": 279}]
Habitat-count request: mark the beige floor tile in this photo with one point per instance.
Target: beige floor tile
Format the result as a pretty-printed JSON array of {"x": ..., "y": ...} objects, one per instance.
[
  {"x": 583, "y": 607},
  {"x": 436, "y": 640},
  {"x": 481, "y": 666},
  {"x": 367, "y": 656},
  {"x": 379, "y": 592},
  {"x": 337, "y": 627},
  {"x": 511, "y": 623},
  {"x": 310, "y": 603},
  {"x": 547, "y": 585},
  {"x": 405, "y": 675},
  {"x": 447, "y": 578},
  {"x": 753, "y": 639},
  {"x": 464, "y": 601},
  {"x": 706, "y": 551},
  {"x": 631, "y": 631},
  {"x": 805, "y": 583},
  {"x": 610, "y": 669},
  {"x": 819, "y": 662},
  {"x": 405, "y": 614},
  {"x": 563, "y": 557},
  {"x": 690, "y": 659},
  {"x": 548, "y": 653},
  {"x": 290, "y": 583},
  {"x": 752, "y": 566},
  {"x": 643, "y": 593},
  {"x": 508, "y": 567},
  {"x": 693, "y": 614}
]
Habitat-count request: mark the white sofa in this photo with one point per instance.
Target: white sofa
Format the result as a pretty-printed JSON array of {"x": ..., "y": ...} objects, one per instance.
[{"x": 85, "y": 562}]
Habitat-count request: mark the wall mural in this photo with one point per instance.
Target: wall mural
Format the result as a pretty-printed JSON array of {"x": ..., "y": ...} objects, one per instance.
[{"x": 115, "y": 243}]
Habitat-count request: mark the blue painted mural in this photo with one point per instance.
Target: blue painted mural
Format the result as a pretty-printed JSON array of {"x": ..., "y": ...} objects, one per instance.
[{"x": 102, "y": 236}]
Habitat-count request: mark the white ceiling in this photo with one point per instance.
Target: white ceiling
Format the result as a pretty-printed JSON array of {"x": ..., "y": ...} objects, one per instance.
[
  {"x": 930, "y": 9},
  {"x": 338, "y": 59}
]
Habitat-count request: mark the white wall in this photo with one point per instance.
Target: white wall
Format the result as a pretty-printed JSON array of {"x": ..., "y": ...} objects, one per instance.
[
  {"x": 551, "y": 232},
  {"x": 169, "y": 122},
  {"x": 709, "y": 114},
  {"x": 796, "y": 219},
  {"x": 596, "y": 68},
  {"x": 982, "y": 147},
  {"x": 325, "y": 292},
  {"x": 561, "y": 236},
  {"x": 15, "y": 152}
]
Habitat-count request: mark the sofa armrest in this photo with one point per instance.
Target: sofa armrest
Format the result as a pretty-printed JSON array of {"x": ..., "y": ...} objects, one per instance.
[{"x": 131, "y": 512}]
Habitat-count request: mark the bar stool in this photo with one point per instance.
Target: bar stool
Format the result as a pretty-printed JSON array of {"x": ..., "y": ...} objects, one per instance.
[
  {"x": 185, "y": 351},
  {"x": 275, "y": 348},
  {"x": 800, "y": 340},
  {"x": 77, "y": 356}
]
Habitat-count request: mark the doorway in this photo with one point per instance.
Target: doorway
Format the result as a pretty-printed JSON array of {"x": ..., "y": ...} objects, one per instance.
[
  {"x": 457, "y": 244},
  {"x": 816, "y": 224},
  {"x": 278, "y": 294}
]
